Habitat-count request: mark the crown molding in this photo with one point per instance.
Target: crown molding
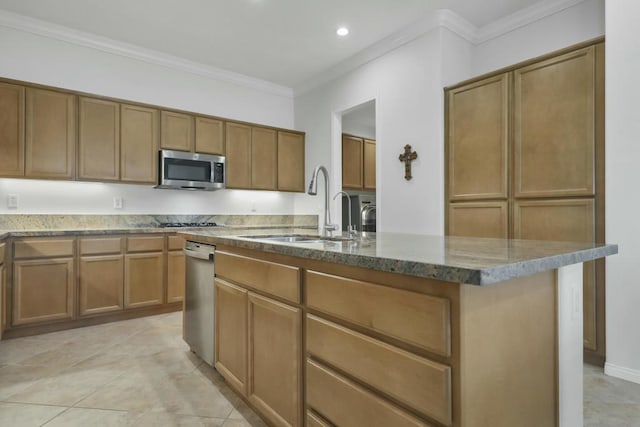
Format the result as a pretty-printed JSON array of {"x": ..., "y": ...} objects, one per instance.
[
  {"x": 444, "y": 18},
  {"x": 439, "y": 18},
  {"x": 104, "y": 44},
  {"x": 522, "y": 18}
]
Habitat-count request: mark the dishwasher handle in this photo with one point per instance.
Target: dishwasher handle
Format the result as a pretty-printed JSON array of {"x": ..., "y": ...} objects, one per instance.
[{"x": 207, "y": 256}]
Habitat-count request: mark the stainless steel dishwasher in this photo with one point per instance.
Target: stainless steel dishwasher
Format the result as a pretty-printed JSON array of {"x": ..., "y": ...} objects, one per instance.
[{"x": 198, "y": 299}]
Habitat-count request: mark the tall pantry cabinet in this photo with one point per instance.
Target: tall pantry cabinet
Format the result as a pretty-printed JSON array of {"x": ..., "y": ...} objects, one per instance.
[{"x": 525, "y": 160}]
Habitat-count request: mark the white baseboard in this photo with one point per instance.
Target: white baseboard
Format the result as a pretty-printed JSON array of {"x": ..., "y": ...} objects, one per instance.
[{"x": 628, "y": 374}]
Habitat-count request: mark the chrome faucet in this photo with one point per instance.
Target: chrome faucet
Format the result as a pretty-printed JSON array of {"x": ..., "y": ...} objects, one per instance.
[
  {"x": 351, "y": 229},
  {"x": 327, "y": 228}
]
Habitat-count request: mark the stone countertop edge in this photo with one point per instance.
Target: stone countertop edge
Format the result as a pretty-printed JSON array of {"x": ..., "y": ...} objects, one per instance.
[
  {"x": 4, "y": 234},
  {"x": 479, "y": 276}
]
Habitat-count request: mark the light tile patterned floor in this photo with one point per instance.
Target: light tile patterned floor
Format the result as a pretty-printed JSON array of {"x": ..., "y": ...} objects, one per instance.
[
  {"x": 140, "y": 373},
  {"x": 132, "y": 373}
]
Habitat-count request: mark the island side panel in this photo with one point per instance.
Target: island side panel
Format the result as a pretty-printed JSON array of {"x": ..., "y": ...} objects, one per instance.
[
  {"x": 508, "y": 353},
  {"x": 570, "y": 339}
]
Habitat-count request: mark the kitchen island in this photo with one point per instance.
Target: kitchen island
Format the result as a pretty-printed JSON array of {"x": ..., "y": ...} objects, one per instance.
[{"x": 392, "y": 329}]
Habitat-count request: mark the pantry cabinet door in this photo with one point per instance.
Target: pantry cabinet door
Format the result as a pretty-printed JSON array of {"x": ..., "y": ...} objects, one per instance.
[
  {"x": 554, "y": 126},
  {"x": 478, "y": 138}
]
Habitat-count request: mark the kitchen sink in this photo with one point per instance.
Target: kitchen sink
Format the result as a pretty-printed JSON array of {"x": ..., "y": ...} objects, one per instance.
[{"x": 298, "y": 238}]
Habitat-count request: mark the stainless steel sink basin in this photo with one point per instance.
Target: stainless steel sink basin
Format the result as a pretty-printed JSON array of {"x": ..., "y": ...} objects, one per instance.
[{"x": 298, "y": 238}]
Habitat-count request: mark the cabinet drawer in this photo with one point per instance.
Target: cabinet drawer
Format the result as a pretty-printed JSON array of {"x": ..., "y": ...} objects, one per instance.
[
  {"x": 2, "y": 245},
  {"x": 314, "y": 421},
  {"x": 43, "y": 248},
  {"x": 175, "y": 243},
  {"x": 346, "y": 404},
  {"x": 417, "y": 319},
  {"x": 413, "y": 380},
  {"x": 145, "y": 244},
  {"x": 276, "y": 279},
  {"x": 104, "y": 245}
]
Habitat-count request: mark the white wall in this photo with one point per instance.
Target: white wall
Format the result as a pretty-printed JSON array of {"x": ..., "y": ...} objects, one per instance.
[
  {"x": 38, "y": 59},
  {"x": 622, "y": 176},
  {"x": 406, "y": 84},
  {"x": 581, "y": 22}
]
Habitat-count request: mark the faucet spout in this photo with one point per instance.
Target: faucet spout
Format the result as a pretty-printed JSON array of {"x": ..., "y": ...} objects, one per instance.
[
  {"x": 313, "y": 190},
  {"x": 350, "y": 228}
]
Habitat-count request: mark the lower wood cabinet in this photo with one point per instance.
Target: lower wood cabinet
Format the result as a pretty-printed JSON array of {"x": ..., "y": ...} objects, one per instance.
[
  {"x": 231, "y": 334},
  {"x": 258, "y": 350},
  {"x": 345, "y": 403},
  {"x": 43, "y": 290},
  {"x": 175, "y": 276},
  {"x": 101, "y": 284},
  {"x": 3, "y": 293},
  {"x": 143, "y": 279},
  {"x": 275, "y": 355}
]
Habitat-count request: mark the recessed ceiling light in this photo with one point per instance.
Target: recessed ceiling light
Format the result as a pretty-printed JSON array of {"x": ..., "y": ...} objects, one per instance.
[{"x": 342, "y": 31}]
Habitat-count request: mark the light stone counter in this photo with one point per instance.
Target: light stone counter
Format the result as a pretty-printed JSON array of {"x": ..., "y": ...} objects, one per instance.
[{"x": 472, "y": 261}]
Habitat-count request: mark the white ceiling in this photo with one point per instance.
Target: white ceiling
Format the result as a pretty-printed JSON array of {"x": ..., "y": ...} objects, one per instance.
[{"x": 287, "y": 42}]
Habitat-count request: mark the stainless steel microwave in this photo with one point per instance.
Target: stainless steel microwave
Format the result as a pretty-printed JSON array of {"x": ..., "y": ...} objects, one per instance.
[{"x": 182, "y": 170}]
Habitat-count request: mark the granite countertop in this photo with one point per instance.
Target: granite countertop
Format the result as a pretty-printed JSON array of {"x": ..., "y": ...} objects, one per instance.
[{"x": 475, "y": 261}]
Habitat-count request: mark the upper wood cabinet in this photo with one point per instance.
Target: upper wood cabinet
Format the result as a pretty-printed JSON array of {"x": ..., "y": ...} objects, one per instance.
[
  {"x": 290, "y": 161},
  {"x": 177, "y": 131},
  {"x": 369, "y": 165},
  {"x": 209, "y": 136},
  {"x": 264, "y": 158},
  {"x": 358, "y": 163},
  {"x": 50, "y": 134},
  {"x": 11, "y": 130},
  {"x": 351, "y": 162},
  {"x": 139, "y": 144},
  {"x": 99, "y": 140},
  {"x": 238, "y": 149},
  {"x": 478, "y": 137},
  {"x": 554, "y": 126}
]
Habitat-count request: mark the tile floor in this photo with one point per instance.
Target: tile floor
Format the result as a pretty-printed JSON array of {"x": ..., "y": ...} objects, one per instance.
[
  {"x": 140, "y": 373},
  {"x": 132, "y": 373}
]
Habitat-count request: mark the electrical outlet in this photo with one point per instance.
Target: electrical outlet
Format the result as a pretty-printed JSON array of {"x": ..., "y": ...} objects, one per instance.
[
  {"x": 117, "y": 202},
  {"x": 12, "y": 201}
]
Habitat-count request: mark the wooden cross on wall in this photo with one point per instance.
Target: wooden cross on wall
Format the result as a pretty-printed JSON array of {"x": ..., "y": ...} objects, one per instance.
[{"x": 407, "y": 158}]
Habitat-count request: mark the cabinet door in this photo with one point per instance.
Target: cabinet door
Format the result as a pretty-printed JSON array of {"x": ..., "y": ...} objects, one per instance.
[
  {"x": 3, "y": 284},
  {"x": 563, "y": 220},
  {"x": 177, "y": 131},
  {"x": 50, "y": 134},
  {"x": 43, "y": 290},
  {"x": 275, "y": 377},
  {"x": 479, "y": 219},
  {"x": 369, "y": 165},
  {"x": 477, "y": 139},
  {"x": 290, "y": 161},
  {"x": 11, "y": 130},
  {"x": 175, "y": 276},
  {"x": 99, "y": 140},
  {"x": 209, "y": 136},
  {"x": 238, "y": 148},
  {"x": 139, "y": 144},
  {"x": 101, "y": 284},
  {"x": 351, "y": 162},
  {"x": 231, "y": 334},
  {"x": 264, "y": 159},
  {"x": 143, "y": 279},
  {"x": 554, "y": 125}
]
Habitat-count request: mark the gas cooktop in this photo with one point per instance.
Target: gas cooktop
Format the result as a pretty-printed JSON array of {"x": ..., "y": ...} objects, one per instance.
[{"x": 189, "y": 224}]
